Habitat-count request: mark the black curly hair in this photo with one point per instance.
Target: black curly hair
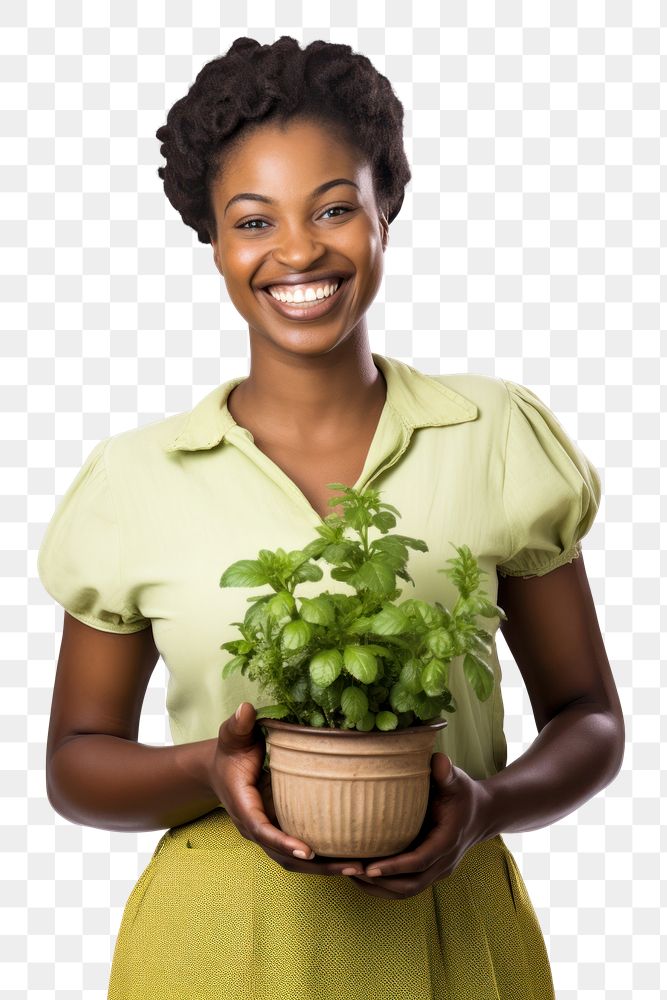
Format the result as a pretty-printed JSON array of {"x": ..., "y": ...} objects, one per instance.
[{"x": 251, "y": 85}]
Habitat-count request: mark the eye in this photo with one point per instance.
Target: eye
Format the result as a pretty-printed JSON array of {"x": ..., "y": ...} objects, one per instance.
[
  {"x": 247, "y": 224},
  {"x": 335, "y": 208}
]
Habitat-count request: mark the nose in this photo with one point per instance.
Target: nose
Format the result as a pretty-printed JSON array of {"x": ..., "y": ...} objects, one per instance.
[{"x": 298, "y": 248}]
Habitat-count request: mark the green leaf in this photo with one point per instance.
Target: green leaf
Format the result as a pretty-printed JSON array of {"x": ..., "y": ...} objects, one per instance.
[
  {"x": 479, "y": 675},
  {"x": 345, "y": 574},
  {"x": 315, "y": 548},
  {"x": 256, "y": 615},
  {"x": 281, "y": 606},
  {"x": 360, "y": 626},
  {"x": 307, "y": 571},
  {"x": 386, "y": 721},
  {"x": 233, "y": 665},
  {"x": 357, "y": 518},
  {"x": 354, "y": 703},
  {"x": 379, "y": 650},
  {"x": 391, "y": 546},
  {"x": 426, "y": 707},
  {"x": 299, "y": 690},
  {"x": 482, "y": 642},
  {"x": 367, "y": 723},
  {"x": 400, "y": 699},
  {"x": 361, "y": 663},
  {"x": 440, "y": 643},
  {"x": 317, "y": 610},
  {"x": 325, "y": 666},
  {"x": 317, "y": 720},
  {"x": 273, "y": 711},
  {"x": 410, "y": 676},
  {"x": 412, "y": 543},
  {"x": 329, "y": 697},
  {"x": 384, "y": 520},
  {"x": 435, "y": 677},
  {"x": 295, "y": 635},
  {"x": 375, "y": 575},
  {"x": 390, "y": 621},
  {"x": 339, "y": 552},
  {"x": 244, "y": 573},
  {"x": 428, "y": 614},
  {"x": 295, "y": 558}
]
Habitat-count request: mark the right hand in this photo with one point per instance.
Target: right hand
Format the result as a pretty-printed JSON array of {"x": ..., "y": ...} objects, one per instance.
[{"x": 236, "y": 773}]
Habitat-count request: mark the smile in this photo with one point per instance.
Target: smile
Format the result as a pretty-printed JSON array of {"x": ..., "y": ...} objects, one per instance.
[{"x": 307, "y": 310}]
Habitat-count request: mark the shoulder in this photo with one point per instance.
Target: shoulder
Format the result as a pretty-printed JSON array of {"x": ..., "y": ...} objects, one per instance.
[
  {"x": 489, "y": 394},
  {"x": 142, "y": 447}
]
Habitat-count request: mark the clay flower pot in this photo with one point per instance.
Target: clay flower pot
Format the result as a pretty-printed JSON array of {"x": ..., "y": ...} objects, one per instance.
[{"x": 348, "y": 793}]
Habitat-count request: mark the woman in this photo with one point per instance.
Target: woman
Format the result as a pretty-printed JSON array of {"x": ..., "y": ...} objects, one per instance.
[{"x": 290, "y": 163}]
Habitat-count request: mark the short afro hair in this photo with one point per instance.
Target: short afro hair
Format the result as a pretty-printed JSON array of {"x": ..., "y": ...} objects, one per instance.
[{"x": 252, "y": 85}]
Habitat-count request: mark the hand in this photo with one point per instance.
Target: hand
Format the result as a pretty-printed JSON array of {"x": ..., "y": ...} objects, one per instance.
[
  {"x": 330, "y": 866},
  {"x": 237, "y": 778},
  {"x": 455, "y": 820}
]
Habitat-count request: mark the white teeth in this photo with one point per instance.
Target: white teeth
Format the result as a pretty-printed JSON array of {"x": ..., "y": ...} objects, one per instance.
[{"x": 309, "y": 295}]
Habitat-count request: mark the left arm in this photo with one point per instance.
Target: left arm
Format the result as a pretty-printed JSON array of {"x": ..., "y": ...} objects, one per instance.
[
  {"x": 553, "y": 633},
  {"x": 554, "y": 636}
]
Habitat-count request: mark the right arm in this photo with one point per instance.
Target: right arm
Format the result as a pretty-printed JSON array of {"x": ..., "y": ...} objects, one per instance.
[{"x": 97, "y": 774}]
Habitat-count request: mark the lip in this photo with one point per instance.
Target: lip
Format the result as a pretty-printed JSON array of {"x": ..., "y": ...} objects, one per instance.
[
  {"x": 305, "y": 278},
  {"x": 319, "y": 308}
]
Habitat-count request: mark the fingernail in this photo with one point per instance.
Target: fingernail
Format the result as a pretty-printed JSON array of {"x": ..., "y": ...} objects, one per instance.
[
  {"x": 302, "y": 854},
  {"x": 238, "y": 711},
  {"x": 374, "y": 871},
  {"x": 350, "y": 871}
]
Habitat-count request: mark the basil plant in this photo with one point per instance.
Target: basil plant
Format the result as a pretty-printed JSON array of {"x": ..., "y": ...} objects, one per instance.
[{"x": 364, "y": 660}]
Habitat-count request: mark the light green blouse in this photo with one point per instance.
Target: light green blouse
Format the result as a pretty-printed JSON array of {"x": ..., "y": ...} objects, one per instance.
[{"x": 156, "y": 514}]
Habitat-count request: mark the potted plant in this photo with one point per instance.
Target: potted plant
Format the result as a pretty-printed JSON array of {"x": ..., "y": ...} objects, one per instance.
[{"x": 360, "y": 681}]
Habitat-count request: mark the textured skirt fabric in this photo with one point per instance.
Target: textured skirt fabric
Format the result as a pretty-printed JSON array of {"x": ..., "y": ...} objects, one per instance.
[{"x": 213, "y": 916}]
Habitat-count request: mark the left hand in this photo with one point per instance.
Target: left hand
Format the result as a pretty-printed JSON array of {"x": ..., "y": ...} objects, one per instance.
[{"x": 456, "y": 819}]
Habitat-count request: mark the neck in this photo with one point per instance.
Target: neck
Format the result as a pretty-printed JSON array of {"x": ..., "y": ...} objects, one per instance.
[{"x": 309, "y": 400}]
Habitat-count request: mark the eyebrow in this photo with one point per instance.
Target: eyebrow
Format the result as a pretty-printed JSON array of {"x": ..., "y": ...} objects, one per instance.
[{"x": 248, "y": 196}]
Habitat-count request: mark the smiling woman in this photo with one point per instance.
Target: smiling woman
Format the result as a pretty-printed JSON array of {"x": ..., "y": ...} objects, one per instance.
[{"x": 290, "y": 163}]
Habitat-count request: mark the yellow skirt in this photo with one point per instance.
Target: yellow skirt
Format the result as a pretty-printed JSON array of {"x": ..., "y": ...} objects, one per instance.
[{"x": 213, "y": 916}]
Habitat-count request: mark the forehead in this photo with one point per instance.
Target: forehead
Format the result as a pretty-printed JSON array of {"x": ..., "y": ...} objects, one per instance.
[{"x": 286, "y": 157}]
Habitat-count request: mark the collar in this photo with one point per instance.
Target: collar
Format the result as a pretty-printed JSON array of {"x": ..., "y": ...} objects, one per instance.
[{"x": 420, "y": 400}]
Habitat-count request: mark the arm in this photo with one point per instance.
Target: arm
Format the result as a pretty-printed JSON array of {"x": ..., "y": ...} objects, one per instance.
[
  {"x": 554, "y": 636},
  {"x": 97, "y": 774},
  {"x": 118, "y": 784}
]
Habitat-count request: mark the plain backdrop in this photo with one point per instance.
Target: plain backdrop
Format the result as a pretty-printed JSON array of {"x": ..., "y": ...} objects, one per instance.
[{"x": 528, "y": 247}]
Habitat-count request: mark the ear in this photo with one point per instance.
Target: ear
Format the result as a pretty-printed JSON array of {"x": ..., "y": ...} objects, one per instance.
[
  {"x": 216, "y": 256},
  {"x": 384, "y": 230}
]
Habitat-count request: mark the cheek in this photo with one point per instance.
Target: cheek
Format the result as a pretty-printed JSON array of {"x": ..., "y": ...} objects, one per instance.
[{"x": 241, "y": 266}]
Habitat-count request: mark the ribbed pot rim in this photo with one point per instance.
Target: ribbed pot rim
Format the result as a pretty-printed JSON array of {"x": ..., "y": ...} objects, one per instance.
[{"x": 262, "y": 720}]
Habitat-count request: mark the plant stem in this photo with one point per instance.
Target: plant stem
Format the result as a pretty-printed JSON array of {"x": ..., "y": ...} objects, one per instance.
[{"x": 363, "y": 534}]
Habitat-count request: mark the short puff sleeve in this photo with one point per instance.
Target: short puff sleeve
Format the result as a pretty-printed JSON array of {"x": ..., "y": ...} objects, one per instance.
[
  {"x": 551, "y": 491},
  {"x": 79, "y": 561}
]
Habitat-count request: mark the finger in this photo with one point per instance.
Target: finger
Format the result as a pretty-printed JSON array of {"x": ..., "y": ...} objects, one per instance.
[
  {"x": 263, "y": 830},
  {"x": 419, "y": 860},
  {"x": 269, "y": 805},
  {"x": 330, "y": 866}
]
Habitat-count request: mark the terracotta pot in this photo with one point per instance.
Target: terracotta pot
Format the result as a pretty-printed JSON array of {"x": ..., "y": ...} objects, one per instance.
[{"x": 350, "y": 794}]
